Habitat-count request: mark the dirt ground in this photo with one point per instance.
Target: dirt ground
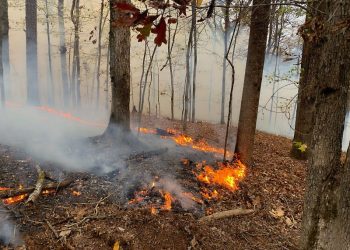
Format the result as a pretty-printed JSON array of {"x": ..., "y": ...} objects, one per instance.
[{"x": 274, "y": 188}]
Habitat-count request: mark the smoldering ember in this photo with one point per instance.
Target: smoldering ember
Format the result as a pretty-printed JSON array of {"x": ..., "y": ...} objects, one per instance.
[{"x": 174, "y": 124}]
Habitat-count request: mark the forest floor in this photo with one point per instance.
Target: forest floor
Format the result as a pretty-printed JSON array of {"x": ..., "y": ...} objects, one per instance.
[{"x": 274, "y": 188}]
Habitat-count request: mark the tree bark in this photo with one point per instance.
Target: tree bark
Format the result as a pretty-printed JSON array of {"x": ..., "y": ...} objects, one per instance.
[
  {"x": 252, "y": 79},
  {"x": 32, "y": 53},
  {"x": 5, "y": 49},
  {"x": 326, "y": 217},
  {"x": 195, "y": 58},
  {"x": 75, "y": 83},
  {"x": 304, "y": 121},
  {"x": 50, "y": 87},
  {"x": 2, "y": 88},
  {"x": 224, "y": 63},
  {"x": 187, "y": 80},
  {"x": 98, "y": 76},
  {"x": 119, "y": 38},
  {"x": 63, "y": 54}
]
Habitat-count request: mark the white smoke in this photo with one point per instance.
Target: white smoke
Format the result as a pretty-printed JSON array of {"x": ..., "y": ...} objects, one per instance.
[{"x": 9, "y": 234}]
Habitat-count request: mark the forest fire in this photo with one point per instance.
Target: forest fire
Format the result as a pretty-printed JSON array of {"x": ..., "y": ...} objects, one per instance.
[
  {"x": 14, "y": 199},
  {"x": 227, "y": 175},
  {"x": 162, "y": 200},
  {"x": 19, "y": 198},
  {"x": 222, "y": 175},
  {"x": 186, "y": 141},
  {"x": 65, "y": 115}
]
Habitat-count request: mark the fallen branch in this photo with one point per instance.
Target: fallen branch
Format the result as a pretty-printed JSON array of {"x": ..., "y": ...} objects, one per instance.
[
  {"x": 15, "y": 192},
  {"x": 38, "y": 186},
  {"x": 226, "y": 214}
]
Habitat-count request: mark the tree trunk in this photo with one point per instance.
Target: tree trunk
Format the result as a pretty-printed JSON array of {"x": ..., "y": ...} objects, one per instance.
[
  {"x": 75, "y": 83},
  {"x": 195, "y": 58},
  {"x": 188, "y": 80},
  {"x": 2, "y": 88},
  {"x": 304, "y": 121},
  {"x": 77, "y": 49},
  {"x": 170, "y": 49},
  {"x": 326, "y": 217},
  {"x": 31, "y": 52},
  {"x": 99, "y": 54},
  {"x": 50, "y": 93},
  {"x": 252, "y": 79},
  {"x": 224, "y": 63},
  {"x": 5, "y": 47},
  {"x": 63, "y": 53},
  {"x": 119, "y": 38}
]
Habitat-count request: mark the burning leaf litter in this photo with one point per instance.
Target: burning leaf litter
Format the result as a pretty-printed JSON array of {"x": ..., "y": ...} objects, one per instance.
[{"x": 223, "y": 175}]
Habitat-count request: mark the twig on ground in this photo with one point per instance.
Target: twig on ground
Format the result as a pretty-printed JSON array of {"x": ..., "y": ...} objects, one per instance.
[
  {"x": 52, "y": 229},
  {"x": 38, "y": 186},
  {"x": 225, "y": 214}
]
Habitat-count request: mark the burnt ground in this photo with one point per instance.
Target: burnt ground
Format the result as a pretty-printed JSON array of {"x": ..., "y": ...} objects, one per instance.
[{"x": 99, "y": 218}]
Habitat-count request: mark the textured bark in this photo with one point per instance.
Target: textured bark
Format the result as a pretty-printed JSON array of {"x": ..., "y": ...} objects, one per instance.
[
  {"x": 306, "y": 101},
  {"x": 63, "y": 53},
  {"x": 4, "y": 19},
  {"x": 2, "y": 88},
  {"x": 224, "y": 63},
  {"x": 186, "y": 107},
  {"x": 195, "y": 58},
  {"x": 50, "y": 88},
  {"x": 98, "y": 76},
  {"x": 31, "y": 53},
  {"x": 252, "y": 79},
  {"x": 119, "y": 38},
  {"x": 75, "y": 84},
  {"x": 326, "y": 217}
]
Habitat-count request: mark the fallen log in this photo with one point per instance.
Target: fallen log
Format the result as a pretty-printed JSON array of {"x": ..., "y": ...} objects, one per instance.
[
  {"x": 226, "y": 214},
  {"x": 15, "y": 192},
  {"x": 38, "y": 186}
]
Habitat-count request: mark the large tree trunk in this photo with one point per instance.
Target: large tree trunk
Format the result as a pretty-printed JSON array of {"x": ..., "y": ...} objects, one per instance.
[
  {"x": 326, "y": 218},
  {"x": 31, "y": 53},
  {"x": 304, "y": 122},
  {"x": 5, "y": 48},
  {"x": 63, "y": 53},
  {"x": 119, "y": 39},
  {"x": 252, "y": 79}
]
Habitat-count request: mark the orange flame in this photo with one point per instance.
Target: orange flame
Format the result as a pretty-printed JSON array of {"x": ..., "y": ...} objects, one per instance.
[
  {"x": 148, "y": 131},
  {"x": 228, "y": 175},
  {"x": 15, "y": 199},
  {"x": 210, "y": 195},
  {"x": 154, "y": 211},
  {"x": 76, "y": 193},
  {"x": 187, "y": 141},
  {"x": 65, "y": 115},
  {"x": 48, "y": 191},
  {"x": 21, "y": 197},
  {"x": 167, "y": 201}
]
